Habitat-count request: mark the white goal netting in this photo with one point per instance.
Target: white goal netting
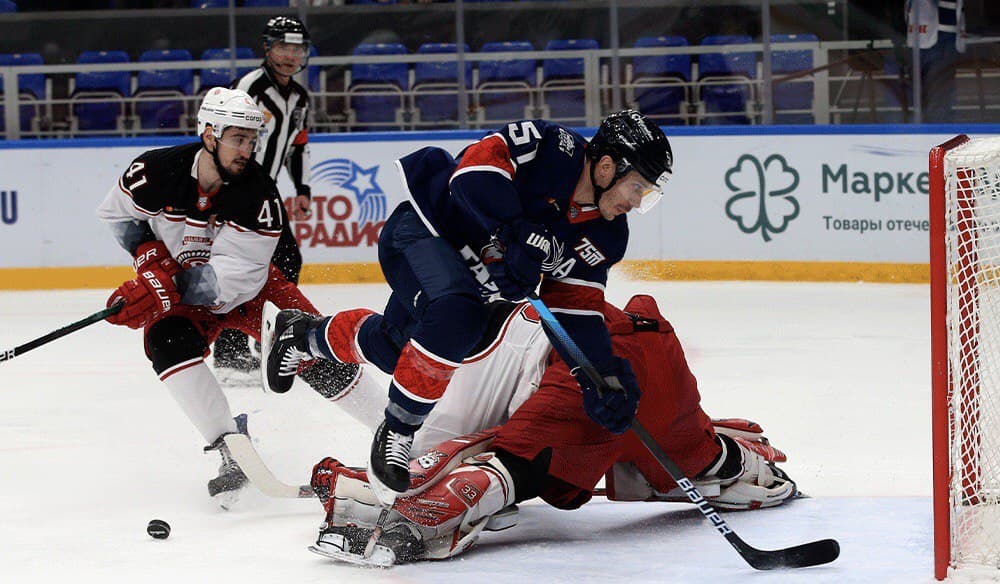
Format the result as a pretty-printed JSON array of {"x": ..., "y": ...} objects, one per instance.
[{"x": 972, "y": 223}]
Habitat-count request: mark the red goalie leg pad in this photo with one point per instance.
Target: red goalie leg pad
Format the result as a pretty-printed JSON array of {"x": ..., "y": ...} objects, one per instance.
[
  {"x": 421, "y": 375},
  {"x": 342, "y": 334}
]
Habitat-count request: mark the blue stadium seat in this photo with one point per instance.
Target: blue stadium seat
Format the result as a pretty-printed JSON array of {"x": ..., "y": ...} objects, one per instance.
[
  {"x": 110, "y": 86},
  {"x": 505, "y": 86},
  {"x": 7, "y": 6},
  {"x": 563, "y": 95},
  {"x": 209, "y": 3},
  {"x": 222, "y": 76},
  {"x": 375, "y": 93},
  {"x": 371, "y": 1},
  {"x": 798, "y": 93},
  {"x": 438, "y": 110},
  {"x": 30, "y": 88},
  {"x": 660, "y": 82},
  {"x": 168, "y": 113},
  {"x": 272, "y": 3},
  {"x": 724, "y": 81}
]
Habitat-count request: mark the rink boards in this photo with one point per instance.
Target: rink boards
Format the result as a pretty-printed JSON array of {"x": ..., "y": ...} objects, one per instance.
[{"x": 792, "y": 203}]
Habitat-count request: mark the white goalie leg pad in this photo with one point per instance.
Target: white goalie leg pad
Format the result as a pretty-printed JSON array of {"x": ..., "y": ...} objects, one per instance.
[
  {"x": 756, "y": 483},
  {"x": 451, "y": 514}
]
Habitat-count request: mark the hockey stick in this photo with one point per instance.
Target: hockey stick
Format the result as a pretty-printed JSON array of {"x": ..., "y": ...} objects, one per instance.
[
  {"x": 259, "y": 474},
  {"x": 808, "y": 554},
  {"x": 8, "y": 354}
]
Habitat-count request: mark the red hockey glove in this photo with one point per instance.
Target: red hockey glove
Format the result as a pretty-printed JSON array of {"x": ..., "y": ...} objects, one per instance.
[
  {"x": 146, "y": 297},
  {"x": 152, "y": 252}
]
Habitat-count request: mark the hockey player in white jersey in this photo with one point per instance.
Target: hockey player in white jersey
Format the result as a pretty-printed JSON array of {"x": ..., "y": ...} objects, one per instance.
[
  {"x": 512, "y": 427},
  {"x": 201, "y": 221}
]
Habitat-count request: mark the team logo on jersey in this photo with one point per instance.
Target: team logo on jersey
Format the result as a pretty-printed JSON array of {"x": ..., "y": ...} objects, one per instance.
[
  {"x": 566, "y": 143},
  {"x": 762, "y": 199},
  {"x": 553, "y": 255},
  {"x": 349, "y": 207}
]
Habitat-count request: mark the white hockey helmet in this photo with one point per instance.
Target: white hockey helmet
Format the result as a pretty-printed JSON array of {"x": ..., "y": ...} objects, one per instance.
[{"x": 223, "y": 108}]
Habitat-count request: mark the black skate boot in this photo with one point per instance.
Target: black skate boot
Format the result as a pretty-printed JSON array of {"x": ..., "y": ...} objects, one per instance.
[
  {"x": 284, "y": 344},
  {"x": 389, "y": 464},
  {"x": 231, "y": 478}
]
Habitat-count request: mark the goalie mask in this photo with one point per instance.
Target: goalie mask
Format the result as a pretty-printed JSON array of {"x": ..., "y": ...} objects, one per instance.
[
  {"x": 634, "y": 143},
  {"x": 285, "y": 38},
  {"x": 230, "y": 108}
]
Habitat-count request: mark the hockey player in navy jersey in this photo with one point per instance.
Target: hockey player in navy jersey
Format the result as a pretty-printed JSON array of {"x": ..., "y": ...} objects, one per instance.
[
  {"x": 201, "y": 221},
  {"x": 533, "y": 201}
]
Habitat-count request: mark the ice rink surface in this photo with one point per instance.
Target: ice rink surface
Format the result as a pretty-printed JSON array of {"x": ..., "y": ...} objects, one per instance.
[{"x": 92, "y": 447}]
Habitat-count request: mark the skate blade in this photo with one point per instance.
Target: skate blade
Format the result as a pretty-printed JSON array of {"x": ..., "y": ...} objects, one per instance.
[
  {"x": 268, "y": 315},
  {"x": 379, "y": 559}
]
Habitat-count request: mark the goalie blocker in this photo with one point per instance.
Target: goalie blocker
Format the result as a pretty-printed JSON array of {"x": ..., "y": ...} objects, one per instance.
[{"x": 551, "y": 449}]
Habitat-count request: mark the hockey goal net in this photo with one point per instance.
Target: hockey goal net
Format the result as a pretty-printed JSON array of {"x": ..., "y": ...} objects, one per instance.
[{"x": 965, "y": 339}]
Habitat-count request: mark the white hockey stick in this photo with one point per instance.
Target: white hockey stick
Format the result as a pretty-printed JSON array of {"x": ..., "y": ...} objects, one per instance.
[{"x": 253, "y": 466}]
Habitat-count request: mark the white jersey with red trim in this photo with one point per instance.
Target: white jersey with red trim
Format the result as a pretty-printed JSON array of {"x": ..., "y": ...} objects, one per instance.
[
  {"x": 224, "y": 240},
  {"x": 492, "y": 382}
]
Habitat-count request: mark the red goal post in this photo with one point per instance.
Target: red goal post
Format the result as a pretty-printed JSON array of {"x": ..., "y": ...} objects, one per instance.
[{"x": 965, "y": 352}]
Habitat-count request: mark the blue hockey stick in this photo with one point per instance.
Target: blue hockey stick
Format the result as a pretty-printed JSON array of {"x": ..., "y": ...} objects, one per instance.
[{"x": 800, "y": 556}]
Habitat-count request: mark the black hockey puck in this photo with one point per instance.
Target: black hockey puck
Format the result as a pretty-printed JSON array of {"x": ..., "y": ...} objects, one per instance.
[{"x": 158, "y": 529}]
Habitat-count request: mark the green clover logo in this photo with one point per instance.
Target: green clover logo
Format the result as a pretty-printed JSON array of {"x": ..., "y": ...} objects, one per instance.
[{"x": 762, "y": 201}]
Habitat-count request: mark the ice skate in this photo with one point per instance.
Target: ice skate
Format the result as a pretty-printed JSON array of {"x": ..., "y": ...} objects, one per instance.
[
  {"x": 228, "y": 485},
  {"x": 398, "y": 544},
  {"x": 389, "y": 464},
  {"x": 284, "y": 345}
]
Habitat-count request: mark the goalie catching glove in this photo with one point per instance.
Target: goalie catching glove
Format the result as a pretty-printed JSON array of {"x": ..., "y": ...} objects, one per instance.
[{"x": 152, "y": 293}]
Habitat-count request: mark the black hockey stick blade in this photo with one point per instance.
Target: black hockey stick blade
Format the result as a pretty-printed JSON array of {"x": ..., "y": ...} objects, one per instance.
[
  {"x": 814, "y": 553},
  {"x": 8, "y": 354}
]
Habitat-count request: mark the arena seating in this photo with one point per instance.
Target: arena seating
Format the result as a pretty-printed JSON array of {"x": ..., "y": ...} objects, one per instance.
[
  {"x": 796, "y": 94},
  {"x": 725, "y": 82},
  {"x": 30, "y": 88},
  {"x": 111, "y": 87},
  {"x": 375, "y": 93},
  {"x": 563, "y": 96},
  {"x": 222, "y": 76},
  {"x": 660, "y": 83},
  {"x": 505, "y": 87},
  {"x": 432, "y": 108},
  {"x": 167, "y": 114}
]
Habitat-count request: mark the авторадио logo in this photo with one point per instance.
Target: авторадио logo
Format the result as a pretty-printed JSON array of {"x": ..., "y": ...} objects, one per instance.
[{"x": 762, "y": 200}]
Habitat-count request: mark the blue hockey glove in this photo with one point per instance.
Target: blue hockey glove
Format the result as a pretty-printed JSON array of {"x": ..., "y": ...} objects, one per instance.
[
  {"x": 618, "y": 403},
  {"x": 514, "y": 260}
]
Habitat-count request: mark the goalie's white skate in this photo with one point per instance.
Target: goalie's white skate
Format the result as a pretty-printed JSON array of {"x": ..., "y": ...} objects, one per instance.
[{"x": 346, "y": 544}]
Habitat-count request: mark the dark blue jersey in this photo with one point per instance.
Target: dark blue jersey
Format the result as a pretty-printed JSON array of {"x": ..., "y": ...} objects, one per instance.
[{"x": 527, "y": 171}]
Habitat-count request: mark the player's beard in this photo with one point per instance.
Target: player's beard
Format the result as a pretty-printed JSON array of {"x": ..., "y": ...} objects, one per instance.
[{"x": 224, "y": 172}]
